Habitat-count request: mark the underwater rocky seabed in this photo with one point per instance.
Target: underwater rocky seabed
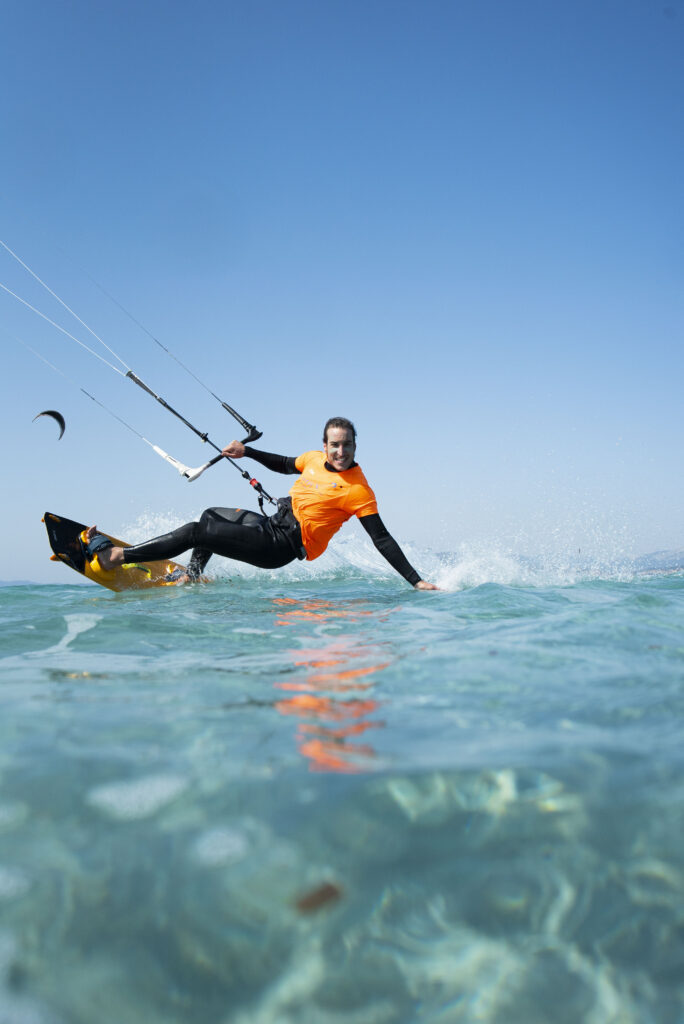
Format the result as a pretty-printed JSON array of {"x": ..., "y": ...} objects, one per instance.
[{"x": 279, "y": 798}]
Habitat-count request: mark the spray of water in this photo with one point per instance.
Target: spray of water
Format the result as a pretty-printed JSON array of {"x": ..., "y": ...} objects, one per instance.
[{"x": 525, "y": 561}]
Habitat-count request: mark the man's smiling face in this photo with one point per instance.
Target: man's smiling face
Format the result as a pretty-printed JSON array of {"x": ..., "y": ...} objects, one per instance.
[{"x": 339, "y": 448}]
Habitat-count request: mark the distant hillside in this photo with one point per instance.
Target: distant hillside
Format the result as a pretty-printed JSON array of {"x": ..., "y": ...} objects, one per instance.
[{"x": 660, "y": 561}]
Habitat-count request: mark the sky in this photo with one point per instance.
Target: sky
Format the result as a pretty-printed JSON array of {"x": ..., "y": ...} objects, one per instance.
[{"x": 458, "y": 224}]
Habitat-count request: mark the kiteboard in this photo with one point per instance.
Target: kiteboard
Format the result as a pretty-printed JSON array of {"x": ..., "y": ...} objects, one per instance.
[{"x": 67, "y": 540}]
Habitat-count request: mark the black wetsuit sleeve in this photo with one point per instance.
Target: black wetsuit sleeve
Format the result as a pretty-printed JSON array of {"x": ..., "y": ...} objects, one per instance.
[
  {"x": 276, "y": 463},
  {"x": 388, "y": 547}
]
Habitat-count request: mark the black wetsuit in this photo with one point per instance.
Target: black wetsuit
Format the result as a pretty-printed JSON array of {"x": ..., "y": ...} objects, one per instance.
[{"x": 268, "y": 542}]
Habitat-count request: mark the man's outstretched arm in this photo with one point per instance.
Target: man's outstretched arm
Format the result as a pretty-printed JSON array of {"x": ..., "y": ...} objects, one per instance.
[{"x": 390, "y": 550}]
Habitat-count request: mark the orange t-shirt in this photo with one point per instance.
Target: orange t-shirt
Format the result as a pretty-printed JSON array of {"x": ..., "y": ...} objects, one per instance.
[{"x": 322, "y": 500}]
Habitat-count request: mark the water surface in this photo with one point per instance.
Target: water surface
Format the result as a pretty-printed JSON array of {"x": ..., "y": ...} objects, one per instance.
[{"x": 330, "y": 798}]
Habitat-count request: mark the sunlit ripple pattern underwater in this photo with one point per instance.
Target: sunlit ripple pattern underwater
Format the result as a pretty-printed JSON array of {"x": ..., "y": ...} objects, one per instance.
[{"x": 284, "y": 798}]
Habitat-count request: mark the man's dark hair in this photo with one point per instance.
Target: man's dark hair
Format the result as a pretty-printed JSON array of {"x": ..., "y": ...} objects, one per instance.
[{"x": 342, "y": 424}]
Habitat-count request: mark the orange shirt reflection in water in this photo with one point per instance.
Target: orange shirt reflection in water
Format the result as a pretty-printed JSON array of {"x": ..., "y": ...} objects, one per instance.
[{"x": 328, "y": 732}]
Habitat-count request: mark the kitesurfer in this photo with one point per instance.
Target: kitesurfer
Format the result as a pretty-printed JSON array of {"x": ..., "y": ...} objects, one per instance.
[{"x": 329, "y": 490}]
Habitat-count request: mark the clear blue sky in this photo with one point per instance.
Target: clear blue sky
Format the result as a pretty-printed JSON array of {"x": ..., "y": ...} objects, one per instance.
[{"x": 459, "y": 224}]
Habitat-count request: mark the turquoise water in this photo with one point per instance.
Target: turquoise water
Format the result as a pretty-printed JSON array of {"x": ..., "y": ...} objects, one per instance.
[{"x": 488, "y": 780}]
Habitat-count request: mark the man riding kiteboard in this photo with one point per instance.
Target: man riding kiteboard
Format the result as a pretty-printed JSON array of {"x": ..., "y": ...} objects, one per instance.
[{"x": 329, "y": 490}]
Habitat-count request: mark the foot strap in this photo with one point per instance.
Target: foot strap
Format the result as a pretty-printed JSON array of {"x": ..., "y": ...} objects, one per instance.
[
  {"x": 98, "y": 543},
  {"x": 175, "y": 575}
]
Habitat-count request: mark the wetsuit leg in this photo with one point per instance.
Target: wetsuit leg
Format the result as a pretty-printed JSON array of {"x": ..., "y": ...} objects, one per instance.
[
  {"x": 201, "y": 555},
  {"x": 169, "y": 545},
  {"x": 233, "y": 533},
  {"x": 198, "y": 562}
]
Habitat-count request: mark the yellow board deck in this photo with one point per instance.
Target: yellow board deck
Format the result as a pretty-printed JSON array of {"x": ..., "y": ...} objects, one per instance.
[{"x": 68, "y": 547}]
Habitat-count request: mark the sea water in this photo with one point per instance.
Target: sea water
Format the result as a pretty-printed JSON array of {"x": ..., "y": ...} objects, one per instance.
[{"x": 319, "y": 796}]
